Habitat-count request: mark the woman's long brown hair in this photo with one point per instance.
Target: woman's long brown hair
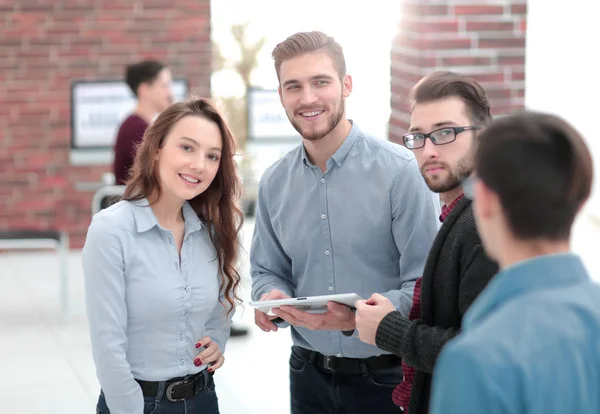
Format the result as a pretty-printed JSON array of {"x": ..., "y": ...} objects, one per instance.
[{"x": 217, "y": 206}]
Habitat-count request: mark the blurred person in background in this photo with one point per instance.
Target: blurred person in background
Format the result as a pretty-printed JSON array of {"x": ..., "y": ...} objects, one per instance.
[
  {"x": 448, "y": 110},
  {"x": 530, "y": 343},
  {"x": 159, "y": 268},
  {"x": 343, "y": 212},
  {"x": 150, "y": 82}
]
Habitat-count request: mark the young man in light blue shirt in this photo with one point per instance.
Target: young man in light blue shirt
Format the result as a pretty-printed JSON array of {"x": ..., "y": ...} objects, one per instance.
[
  {"x": 530, "y": 342},
  {"x": 342, "y": 213}
]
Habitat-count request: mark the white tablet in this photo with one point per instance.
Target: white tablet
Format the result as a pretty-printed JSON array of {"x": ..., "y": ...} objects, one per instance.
[{"x": 309, "y": 304}]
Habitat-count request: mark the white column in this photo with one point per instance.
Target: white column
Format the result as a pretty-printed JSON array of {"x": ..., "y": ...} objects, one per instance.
[
  {"x": 561, "y": 75},
  {"x": 562, "y": 69}
]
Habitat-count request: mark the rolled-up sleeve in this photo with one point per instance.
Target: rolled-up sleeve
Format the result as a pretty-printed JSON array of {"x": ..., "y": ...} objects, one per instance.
[
  {"x": 414, "y": 226},
  {"x": 104, "y": 278}
]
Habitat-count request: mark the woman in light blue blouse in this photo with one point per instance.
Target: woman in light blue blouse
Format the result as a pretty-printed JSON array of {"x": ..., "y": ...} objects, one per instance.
[{"x": 159, "y": 267}]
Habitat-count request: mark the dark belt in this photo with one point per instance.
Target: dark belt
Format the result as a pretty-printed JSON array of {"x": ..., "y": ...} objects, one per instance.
[
  {"x": 176, "y": 389},
  {"x": 351, "y": 366}
]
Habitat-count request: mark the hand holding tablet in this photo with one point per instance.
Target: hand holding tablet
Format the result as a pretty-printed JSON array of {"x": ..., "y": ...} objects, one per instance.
[
  {"x": 268, "y": 322},
  {"x": 309, "y": 304}
]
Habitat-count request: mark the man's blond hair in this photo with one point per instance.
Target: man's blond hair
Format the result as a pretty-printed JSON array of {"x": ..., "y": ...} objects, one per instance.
[{"x": 309, "y": 42}]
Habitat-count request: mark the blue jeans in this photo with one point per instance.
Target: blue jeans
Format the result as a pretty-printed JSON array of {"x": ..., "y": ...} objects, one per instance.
[
  {"x": 205, "y": 402},
  {"x": 315, "y": 390}
]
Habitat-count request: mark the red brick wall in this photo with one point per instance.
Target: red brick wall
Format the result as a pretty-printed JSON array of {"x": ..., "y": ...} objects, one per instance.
[
  {"x": 46, "y": 44},
  {"x": 485, "y": 40}
]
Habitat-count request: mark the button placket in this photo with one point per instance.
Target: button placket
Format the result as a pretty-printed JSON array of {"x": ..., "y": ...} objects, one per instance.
[
  {"x": 326, "y": 232},
  {"x": 184, "y": 252},
  {"x": 327, "y": 245}
]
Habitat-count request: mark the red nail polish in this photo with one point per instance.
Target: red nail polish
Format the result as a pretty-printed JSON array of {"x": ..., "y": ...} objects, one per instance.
[
  {"x": 209, "y": 370},
  {"x": 198, "y": 345},
  {"x": 197, "y": 362}
]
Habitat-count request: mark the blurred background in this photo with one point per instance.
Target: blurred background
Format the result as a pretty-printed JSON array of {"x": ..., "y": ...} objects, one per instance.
[{"x": 62, "y": 98}]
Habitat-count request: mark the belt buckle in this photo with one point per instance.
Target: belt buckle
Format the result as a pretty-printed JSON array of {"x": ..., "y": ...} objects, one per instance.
[
  {"x": 169, "y": 391},
  {"x": 329, "y": 362}
]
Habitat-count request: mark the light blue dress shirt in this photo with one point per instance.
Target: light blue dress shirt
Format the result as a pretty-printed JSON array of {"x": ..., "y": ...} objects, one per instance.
[
  {"x": 365, "y": 225},
  {"x": 530, "y": 344},
  {"x": 146, "y": 305}
]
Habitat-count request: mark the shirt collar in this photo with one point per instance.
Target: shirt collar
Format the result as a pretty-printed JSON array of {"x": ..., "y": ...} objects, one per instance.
[
  {"x": 191, "y": 219},
  {"x": 538, "y": 274},
  {"x": 342, "y": 152},
  {"x": 145, "y": 219},
  {"x": 446, "y": 210}
]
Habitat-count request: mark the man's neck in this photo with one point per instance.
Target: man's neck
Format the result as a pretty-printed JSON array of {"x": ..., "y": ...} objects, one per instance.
[
  {"x": 321, "y": 150},
  {"x": 145, "y": 111},
  {"x": 449, "y": 196},
  {"x": 517, "y": 251}
]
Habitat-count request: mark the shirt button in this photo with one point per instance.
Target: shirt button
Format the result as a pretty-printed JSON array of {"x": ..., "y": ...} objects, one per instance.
[
  {"x": 323, "y": 216},
  {"x": 339, "y": 355},
  {"x": 322, "y": 180},
  {"x": 182, "y": 362},
  {"x": 187, "y": 288},
  {"x": 186, "y": 312},
  {"x": 181, "y": 337},
  {"x": 327, "y": 252},
  {"x": 330, "y": 288}
]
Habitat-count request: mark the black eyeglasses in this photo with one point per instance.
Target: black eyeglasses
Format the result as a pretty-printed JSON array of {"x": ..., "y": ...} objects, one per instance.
[{"x": 440, "y": 136}]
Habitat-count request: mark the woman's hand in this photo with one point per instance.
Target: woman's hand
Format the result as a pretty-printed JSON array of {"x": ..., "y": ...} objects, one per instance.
[{"x": 211, "y": 355}]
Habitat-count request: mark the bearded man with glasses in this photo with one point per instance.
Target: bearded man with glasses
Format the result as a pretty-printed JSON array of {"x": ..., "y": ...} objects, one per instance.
[{"x": 448, "y": 109}]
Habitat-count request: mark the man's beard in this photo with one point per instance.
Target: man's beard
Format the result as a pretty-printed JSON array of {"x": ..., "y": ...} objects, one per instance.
[
  {"x": 462, "y": 169},
  {"x": 334, "y": 120}
]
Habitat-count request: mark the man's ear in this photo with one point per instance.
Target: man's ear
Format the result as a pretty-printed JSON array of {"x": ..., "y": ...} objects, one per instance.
[
  {"x": 142, "y": 89},
  {"x": 488, "y": 202},
  {"x": 347, "y": 86}
]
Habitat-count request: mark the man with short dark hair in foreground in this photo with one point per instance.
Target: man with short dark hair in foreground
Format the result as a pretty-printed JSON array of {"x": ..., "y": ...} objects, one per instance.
[{"x": 530, "y": 341}]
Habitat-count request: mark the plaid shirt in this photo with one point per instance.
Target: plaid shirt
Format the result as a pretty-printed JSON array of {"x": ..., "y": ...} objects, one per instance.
[{"x": 401, "y": 394}]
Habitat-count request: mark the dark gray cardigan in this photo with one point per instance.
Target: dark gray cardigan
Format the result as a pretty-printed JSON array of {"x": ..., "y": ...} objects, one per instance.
[{"x": 457, "y": 270}]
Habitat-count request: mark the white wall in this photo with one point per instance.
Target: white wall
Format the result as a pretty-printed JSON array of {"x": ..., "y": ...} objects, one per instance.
[{"x": 562, "y": 70}]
